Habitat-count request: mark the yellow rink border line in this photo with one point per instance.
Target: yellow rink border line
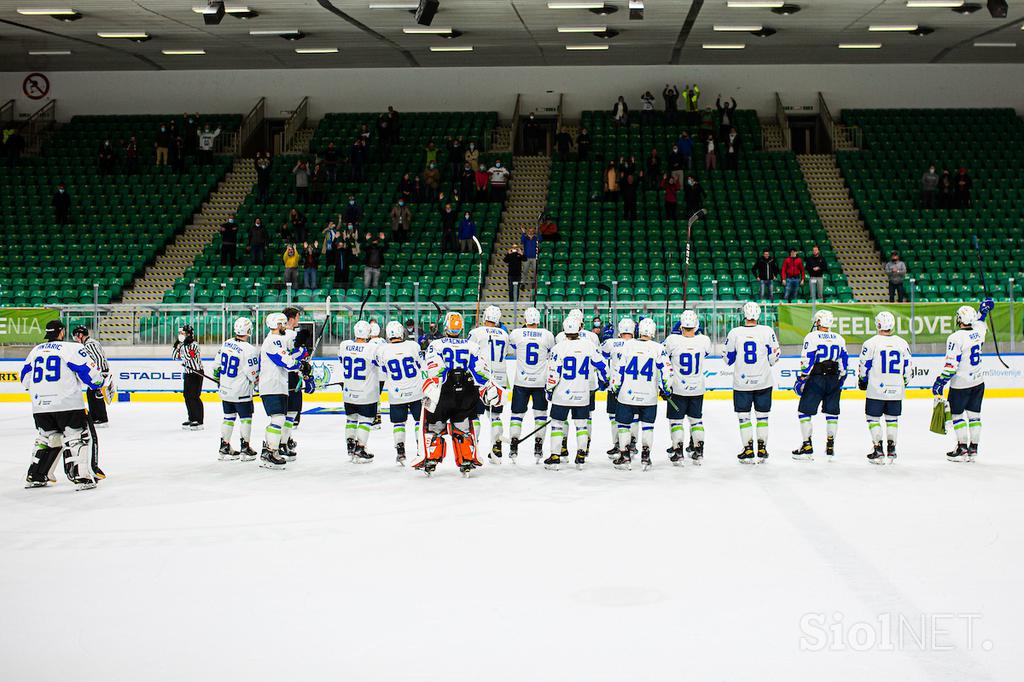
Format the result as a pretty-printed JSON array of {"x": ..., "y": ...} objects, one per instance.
[{"x": 211, "y": 397}]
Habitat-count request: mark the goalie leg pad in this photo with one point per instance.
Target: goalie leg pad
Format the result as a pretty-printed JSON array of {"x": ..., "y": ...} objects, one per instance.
[
  {"x": 78, "y": 456},
  {"x": 434, "y": 445},
  {"x": 464, "y": 443},
  {"x": 44, "y": 455}
]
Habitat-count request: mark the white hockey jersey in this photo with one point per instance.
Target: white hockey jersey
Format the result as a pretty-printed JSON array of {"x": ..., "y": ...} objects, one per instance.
[
  {"x": 823, "y": 347},
  {"x": 238, "y": 368},
  {"x": 610, "y": 349},
  {"x": 644, "y": 370},
  {"x": 492, "y": 345},
  {"x": 963, "y": 356},
  {"x": 688, "y": 355},
  {"x": 590, "y": 337},
  {"x": 400, "y": 366},
  {"x": 575, "y": 366},
  {"x": 359, "y": 375},
  {"x": 452, "y": 352},
  {"x": 277, "y": 359},
  {"x": 54, "y": 374},
  {"x": 751, "y": 352},
  {"x": 532, "y": 349},
  {"x": 885, "y": 361}
]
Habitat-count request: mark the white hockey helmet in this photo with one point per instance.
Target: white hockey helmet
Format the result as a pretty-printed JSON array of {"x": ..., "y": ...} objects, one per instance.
[
  {"x": 824, "y": 318},
  {"x": 751, "y": 311},
  {"x": 531, "y": 316},
  {"x": 576, "y": 312},
  {"x": 361, "y": 330},
  {"x": 572, "y": 325},
  {"x": 243, "y": 326},
  {"x": 394, "y": 330},
  {"x": 275, "y": 320},
  {"x": 627, "y": 326},
  {"x": 688, "y": 320},
  {"x": 647, "y": 327},
  {"x": 885, "y": 321},
  {"x": 374, "y": 330},
  {"x": 492, "y": 314},
  {"x": 966, "y": 315}
]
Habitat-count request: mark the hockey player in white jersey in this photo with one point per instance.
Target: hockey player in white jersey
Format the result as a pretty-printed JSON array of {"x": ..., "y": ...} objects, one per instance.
[
  {"x": 610, "y": 349},
  {"x": 398, "y": 362},
  {"x": 55, "y": 373},
  {"x": 963, "y": 372},
  {"x": 883, "y": 372},
  {"x": 595, "y": 340},
  {"x": 237, "y": 370},
  {"x": 531, "y": 346},
  {"x": 360, "y": 383},
  {"x": 644, "y": 372},
  {"x": 823, "y": 366},
  {"x": 278, "y": 360},
  {"x": 752, "y": 350},
  {"x": 688, "y": 352},
  {"x": 574, "y": 365},
  {"x": 492, "y": 345},
  {"x": 376, "y": 341}
]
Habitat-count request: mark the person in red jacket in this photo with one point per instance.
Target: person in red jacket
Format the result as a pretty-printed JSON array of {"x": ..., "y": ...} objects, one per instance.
[
  {"x": 792, "y": 274},
  {"x": 671, "y": 187}
]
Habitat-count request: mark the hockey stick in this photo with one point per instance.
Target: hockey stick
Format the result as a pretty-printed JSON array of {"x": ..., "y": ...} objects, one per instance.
[
  {"x": 984, "y": 286},
  {"x": 479, "y": 276},
  {"x": 366, "y": 297},
  {"x": 608, "y": 289},
  {"x": 700, "y": 213},
  {"x": 323, "y": 327}
]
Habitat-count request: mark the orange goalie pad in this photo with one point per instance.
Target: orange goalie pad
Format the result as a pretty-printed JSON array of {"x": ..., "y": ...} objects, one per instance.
[
  {"x": 433, "y": 446},
  {"x": 464, "y": 444}
]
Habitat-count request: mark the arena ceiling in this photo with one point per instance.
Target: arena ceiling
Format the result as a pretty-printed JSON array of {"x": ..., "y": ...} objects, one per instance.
[{"x": 500, "y": 32}]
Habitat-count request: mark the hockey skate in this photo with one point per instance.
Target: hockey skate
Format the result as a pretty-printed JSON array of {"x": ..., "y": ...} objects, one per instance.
[
  {"x": 645, "y": 459},
  {"x": 972, "y": 452},
  {"x": 581, "y": 458},
  {"x": 762, "y": 451},
  {"x": 34, "y": 483},
  {"x": 830, "y": 446},
  {"x": 289, "y": 450},
  {"x": 698, "y": 454},
  {"x": 891, "y": 451},
  {"x": 83, "y": 483},
  {"x": 376, "y": 422},
  {"x": 632, "y": 445},
  {"x": 271, "y": 460},
  {"x": 538, "y": 449},
  {"x": 624, "y": 460},
  {"x": 494, "y": 455},
  {"x": 747, "y": 456},
  {"x": 553, "y": 461},
  {"x": 428, "y": 466},
  {"x": 805, "y": 452},
  {"x": 959, "y": 454},
  {"x": 690, "y": 446},
  {"x": 400, "y": 456},
  {"x": 361, "y": 456},
  {"x": 877, "y": 456},
  {"x": 513, "y": 450},
  {"x": 466, "y": 468},
  {"x": 98, "y": 473},
  {"x": 678, "y": 455},
  {"x": 247, "y": 454},
  {"x": 613, "y": 451},
  {"x": 195, "y": 426},
  {"x": 226, "y": 454},
  {"x": 564, "y": 453}
]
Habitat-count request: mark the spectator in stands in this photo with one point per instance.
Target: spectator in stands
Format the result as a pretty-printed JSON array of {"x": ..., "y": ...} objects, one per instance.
[
  {"x": 353, "y": 212},
  {"x": 262, "y": 177},
  {"x": 499, "y": 178},
  {"x": 816, "y": 270},
  {"x": 301, "y": 173},
  {"x": 707, "y": 123},
  {"x": 548, "y": 228},
  {"x": 896, "y": 272},
  {"x": 364, "y": 135},
  {"x": 331, "y": 159},
  {"x": 726, "y": 116},
  {"x": 481, "y": 181},
  {"x": 297, "y": 225},
  {"x": 685, "y": 144},
  {"x": 394, "y": 127},
  {"x": 628, "y": 191},
  {"x": 176, "y": 155},
  {"x": 258, "y": 239},
  {"x": 405, "y": 187},
  {"x": 131, "y": 156},
  {"x": 433, "y": 334},
  {"x": 358, "y": 156},
  {"x": 191, "y": 133},
  {"x": 472, "y": 156},
  {"x": 432, "y": 179},
  {"x": 676, "y": 162},
  {"x": 107, "y": 158},
  {"x": 732, "y": 144},
  {"x": 383, "y": 133},
  {"x": 652, "y": 169},
  {"x": 929, "y": 187},
  {"x": 691, "y": 93},
  {"x": 693, "y": 195},
  {"x": 316, "y": 182},
  {"x": 766, "y": 271},
  {"x": 401, "y": 221},
  {"x": 419, "y": 191},
  {"x": 310, "y": 263},
  {"x": 456, "y": 155},
  {"x": 647, "y": 108},
  {"x": 611, "y": 182},
  {"x": 228, "y": 242},
  {"x": 671, "y": 187},
  {"x": 671, "y": 97},
  {"x": 945, "y": 190},
  {"x": 430, "y": 154},
  {"x": 14, "y": 145},
  {"x": 514, "y": 259},
  {"x": 162, "y": 144},
  {"x": 620, "y": 111},
  {"x": 291, "y": 260},
  {"x": 449, "y": 241},
  {"x": 710, "y": 154},
  {"x": 467, "y": 182},
  {"x": 329, "y": 234},
  {"x": 583, "y": 144},
  {"x": 563, "y": 143},
  {"x": 207, "y": 138},
  {"x": 962, "y": 185},
  {"x": 345, "y": 252},
  {"x": 530, "y": 242},
  {"x": 373, "y": 254},
  {"x": 793, "y": 275},
  {"x": 467, "y": 230},
  {"x": 534, "y": 137},
  {"x": 62, "y": 205}
]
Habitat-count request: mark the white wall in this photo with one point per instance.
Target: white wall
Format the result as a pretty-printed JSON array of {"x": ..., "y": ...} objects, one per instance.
[{"x": 426, "y": 89}]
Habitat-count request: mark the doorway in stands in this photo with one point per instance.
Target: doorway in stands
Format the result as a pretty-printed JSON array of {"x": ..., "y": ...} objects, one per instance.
[{"x": 536, "y": 135}]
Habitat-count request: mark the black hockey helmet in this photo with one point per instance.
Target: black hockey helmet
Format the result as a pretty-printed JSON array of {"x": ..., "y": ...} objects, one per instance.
[
  {"x": 304, "y": 338},
  {"x": 53, "y": 329},
  {"x": 187, "y": 330},
  {"x": 80, "y": 330}
]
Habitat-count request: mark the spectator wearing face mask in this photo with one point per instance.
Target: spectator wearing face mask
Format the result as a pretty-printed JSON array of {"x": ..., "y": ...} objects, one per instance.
[
  {"x": 685, "y": 144},
  {"x": 353, "y": 212},
  {"x": 732, "y": 144},
  {"x": 514, "y": 259},
  {"x": 61, "y": 205},
  {"x": 432, "y": 180},
  {"x": 676, "y": 164},
  {"x": 896, "y": 272},
  {"x": 291, "y": 260},
  {"x": 671, "y": 188},
  {"x": 262, "y": 177},
  {"x": 374, "y": 248},
  {"x": 472, "y": 156},
  {"x": 929, "y": 187},
  {"x": 467, "y": 230},
  {"x": 162, "y": 144},
  {"x": 228, "y": 242},
  {"x": 302, "y": 176},
  {"x": 693, "y": 196},
  {"x": 499, "y": 178},
  {"x": 430, "y": 154},
  {"x": 207, "y": 138},
  {"x": 310, "y": 264},
  {"x": 331, "y": 158},
  {"x": 107, "y": 158},
  {"x": 258, "y": 238},
  {"x": 449, "y": 218},
  {"x": 401, "y": 221},
  {"x": 652, "y": 170}
]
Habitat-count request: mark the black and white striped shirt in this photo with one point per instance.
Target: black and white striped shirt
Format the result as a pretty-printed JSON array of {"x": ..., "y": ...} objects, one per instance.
[
  {"x": 188, "y": 355},
  {"x": 95, "y": 352}
]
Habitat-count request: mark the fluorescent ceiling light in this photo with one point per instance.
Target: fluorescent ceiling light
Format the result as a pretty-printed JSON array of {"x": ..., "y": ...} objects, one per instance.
[
  {"x": 723, "y": 46},
  {"x": 575, "y": 5},
  {"x": 204, "y": 9},
  {"x": 755, "y": 4},
  {"x": 394, "y": 5},
  {"x": 745, "y": 29},
  {"x": 582, "y": 29},
  {"x": 280, "y": 32},
  {"x": 934, "y": 3},
  {"x": 427, "y": 30},
  {"x": 316, "y": 50},
  {"x": 49, "y": 53},
  {"x": 183, "y": 53},
  {"x": 33, "y": 12},
  {"x": 453, "y": 48},
  {"x": 604, "y": 46},
  {"x": 859, "y": 46},
  {"x": 995, "y": 44},
  {"x": 901, "y": 28},
  {"x": 129, "y": 35}
]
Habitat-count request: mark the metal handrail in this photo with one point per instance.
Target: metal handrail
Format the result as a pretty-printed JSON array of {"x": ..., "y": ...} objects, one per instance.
[
  {"x": 295, "y": 121},
  {"x": 515, "y": 126},
  {"x": 783, "y": 120},
  {"x": 830, "y": 123},
  {"x": 7, "y": 111},
  {"x": 250, "y": 124},
  {"x": 39, "y": 123},
  {"x": 558, "y": 120}
]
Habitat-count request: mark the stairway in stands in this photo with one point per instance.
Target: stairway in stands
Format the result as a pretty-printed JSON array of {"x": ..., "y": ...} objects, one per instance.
[
  {"x": 772, "y": 136},
  {"x": 861, "y": 261},
  {"x": 527, "y": 197},
  {"x": 179, "y": 254},
  {"x": 300, "y": 142}
]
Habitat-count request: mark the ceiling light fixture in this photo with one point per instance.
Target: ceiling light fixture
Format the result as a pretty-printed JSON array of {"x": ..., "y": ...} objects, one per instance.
[
  {"x": 582, "y": 29},
  {"x": 860, "y": 46},
  {"x": 575, "y": 5},
  {"x": 587, "y": 47},
  {"x": 287, "y": 34},
  {"x": 724, "y": 46},
  {"x": 934, "y": 3},
  {"x": 316, "y": 50},
  {"x": 48, "y": 53},
  {"x": 967, "y": 8},
  {"x": 453, "y": 48},
  {"x": 898, "y": 28},
  {"x": 755, "y": 4},
  {"x": 426, "y": 30},
  {"x": 183, "y": 53},
  {"x": 995, "y": 44},
  {"x": 242, "y": 12},
  {"x": 394, "y": 5},
  {"x": 34, "y": 12},
  {"x": 636, "y": 10},
  {"x": 740, "y": 29},
  {"x": 125, "y": 35}
]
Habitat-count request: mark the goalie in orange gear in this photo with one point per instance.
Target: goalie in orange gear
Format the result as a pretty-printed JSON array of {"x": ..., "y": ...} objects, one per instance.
[{"x": 453, "y": 387}]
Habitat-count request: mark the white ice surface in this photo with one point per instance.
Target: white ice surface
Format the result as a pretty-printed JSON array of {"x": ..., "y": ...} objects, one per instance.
[{"x": 180, "y": 567}]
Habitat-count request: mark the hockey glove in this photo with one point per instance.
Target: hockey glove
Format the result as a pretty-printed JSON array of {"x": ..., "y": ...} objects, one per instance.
[
  {"x": 308, "y": 384},
  {"x": 491, "y": 394},
  {"x": 798, "y": 387},
  {"x": 985, "y": 307},
  {"x": 665, "y": 392},
  {"x": 862, "y": 383},
  {"x": 939, "y": 386},
  {"x": 305, "y": 369},
  {"x": 608, "y": 332}
]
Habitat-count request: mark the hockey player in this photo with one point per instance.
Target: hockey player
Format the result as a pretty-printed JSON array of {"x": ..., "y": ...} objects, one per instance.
[
  {"x": 883, "y": 372},
  {"x": 595, "y": 340},
  {"x": 610, "y": 349},
  {"x": 237, "y": 370},
  {"x": 574, "y": 363},
  {"x": 277, "y": 361},
  {"x": 453, "y": 387},
  {"x": 398, "y": 361},
  {"x": 823, "y": 365},
  {"x": 360, "y": 382},
  {"x": 688, "y": 352},
  {"x": 95, "y": 399},
  {"x": 962, "y": 371},
  {"x": 376, "y": 342},
  {"x": 643, "y": 373},
  {"x": 752, "y": 350},
  {"x": 492, "y": 345},
  {"x": 54, "y": 374},
  {"x": 531, "y": 346},
  {"x": 299, "y": 340}
]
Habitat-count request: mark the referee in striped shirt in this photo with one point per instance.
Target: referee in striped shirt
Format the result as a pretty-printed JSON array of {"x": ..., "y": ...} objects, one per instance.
[
  {"x": 186, "y": 351},
  {"x": 97, "y": 405}
]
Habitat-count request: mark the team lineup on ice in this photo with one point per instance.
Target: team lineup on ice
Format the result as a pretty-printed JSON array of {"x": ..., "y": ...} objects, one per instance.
[{"x": 443, "y": 394}]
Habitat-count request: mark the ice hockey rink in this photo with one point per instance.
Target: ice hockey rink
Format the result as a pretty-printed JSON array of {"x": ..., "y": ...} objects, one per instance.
[{"x": 181, "y": 567}]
